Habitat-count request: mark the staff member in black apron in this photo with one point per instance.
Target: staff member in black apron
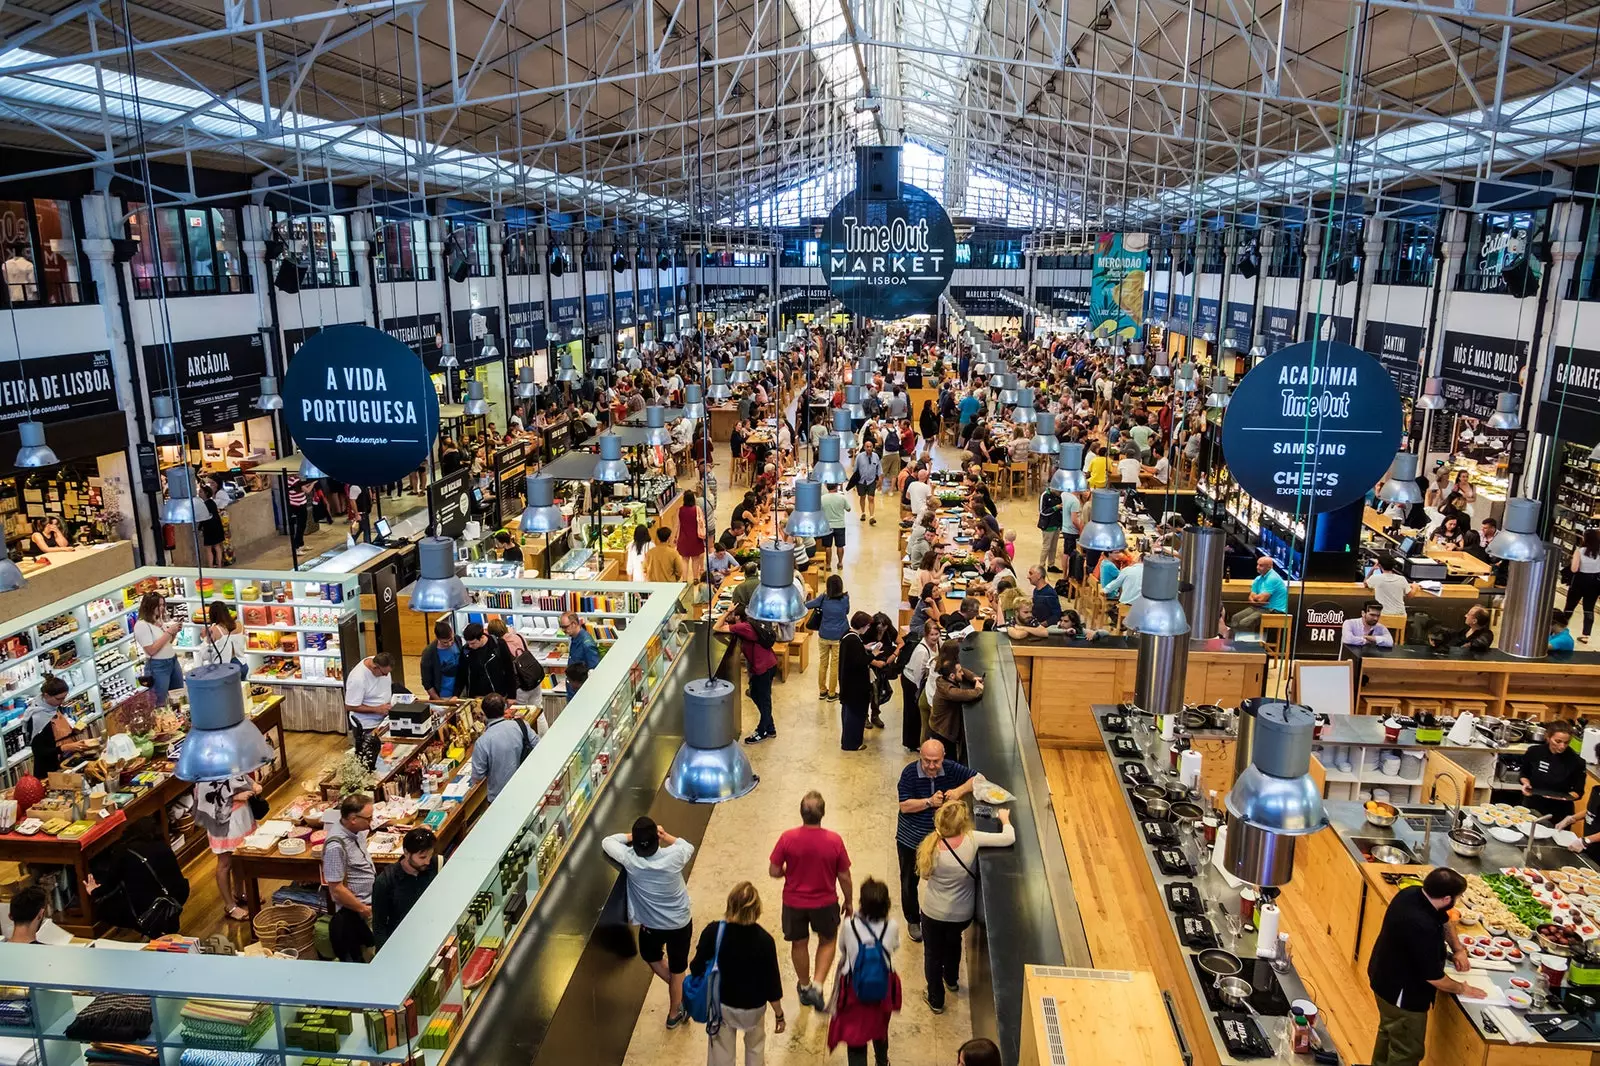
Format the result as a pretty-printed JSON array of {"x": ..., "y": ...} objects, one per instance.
[
  {"x": 1553, "y": 767},
  {"x": 1587, "y": 827}
]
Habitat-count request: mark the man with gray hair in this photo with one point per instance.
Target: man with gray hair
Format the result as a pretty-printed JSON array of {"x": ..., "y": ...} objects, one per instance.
[{"x": 812, "y": 861}]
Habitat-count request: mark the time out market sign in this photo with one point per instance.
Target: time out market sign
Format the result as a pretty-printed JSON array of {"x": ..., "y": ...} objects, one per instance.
[
  {"x": 889, "y": 258},
  {"x": 1312, "y": 427},
  {"x": 360, "y": 405}
]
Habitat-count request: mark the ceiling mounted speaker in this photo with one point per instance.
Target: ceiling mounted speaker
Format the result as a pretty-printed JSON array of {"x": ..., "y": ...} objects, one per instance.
[
  {"x": 287, "y": 277},
  {"x": 274, "y": 248},
  {"x": 123, "y": 249},
  {"x": 459, "y": 267},
  {"x": 558, "y": 265},
  {"x": 664, "y": 262},
  {"x": 619, "y": 263}
]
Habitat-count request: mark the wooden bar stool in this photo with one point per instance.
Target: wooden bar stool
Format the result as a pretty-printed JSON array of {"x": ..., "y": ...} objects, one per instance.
[
  {"x": 1460, "y": 707},
  {"x": 1017, "y": 480},
  {"x": 1275, "y": 636},
  {"x": 1381, "y": 706},
  {"x": 1396, "y": 625},
  {"x": 1420, "y": 706},
  {"x": 1531, "y": 710}
]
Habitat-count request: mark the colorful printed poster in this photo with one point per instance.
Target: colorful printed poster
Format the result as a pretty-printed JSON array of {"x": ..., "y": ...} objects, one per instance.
[{"x": 1116, "y": 295}]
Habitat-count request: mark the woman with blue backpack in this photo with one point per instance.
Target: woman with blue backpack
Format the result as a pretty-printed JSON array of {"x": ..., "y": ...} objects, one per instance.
[
  {"x": 866, "y": 991},
  {"x": 732, "y": 978}
]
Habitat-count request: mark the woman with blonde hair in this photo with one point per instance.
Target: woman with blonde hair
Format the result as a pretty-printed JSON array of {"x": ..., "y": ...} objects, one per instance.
[
  {"x": 747, "y": 958},
  {"x": 947, "y": 863}
]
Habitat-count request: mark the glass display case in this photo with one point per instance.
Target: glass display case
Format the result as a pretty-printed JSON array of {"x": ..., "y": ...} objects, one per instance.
[
  {"x": 579, "y": 564},
  {"x": 411, "y": 1004}
]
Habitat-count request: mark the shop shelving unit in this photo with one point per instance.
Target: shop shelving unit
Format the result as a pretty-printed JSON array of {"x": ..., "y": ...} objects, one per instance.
[
  {"x": 484, "y": 895},
  {"x": 1577, "y": 503}
]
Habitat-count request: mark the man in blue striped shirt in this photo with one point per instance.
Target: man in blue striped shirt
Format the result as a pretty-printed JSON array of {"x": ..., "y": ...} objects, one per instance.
[{"x": 925, "y": 786}]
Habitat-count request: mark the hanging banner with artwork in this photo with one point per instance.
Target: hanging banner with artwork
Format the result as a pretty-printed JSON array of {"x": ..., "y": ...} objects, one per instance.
[
  {"x": 1116, "y": 291},
  {"x": 890, "y": 258}
]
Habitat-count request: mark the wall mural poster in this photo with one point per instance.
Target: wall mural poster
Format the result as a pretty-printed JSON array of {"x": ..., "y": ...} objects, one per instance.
[{"x": 1116, "y": 294}]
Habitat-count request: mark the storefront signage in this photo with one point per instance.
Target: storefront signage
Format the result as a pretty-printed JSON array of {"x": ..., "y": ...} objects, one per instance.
[
  {"x": 664, "y": 305},
  {"x": 1180, "y": 312},
  {"x": 1322, "y": 626},
  {"x": 1572, "y": 405},
  {"x": 450, "y": 503},
  {"x": 982, "y": 301},
  {"x": 1208, "y": 317},
  {"x": 510, "y": 472},
  {"x": 1476, "y": 369},
  {"x": 886, "y": 259},
  {"x": 423, "y": 334},
  {"x": 57, "y": 388},
  {"x": 1160, "y": 306},
  {"x": 217, "y": 380},
  {"x": 1327, "y": 327},
  {"x": 1399, "y": 348},
  {"x": 294, "y": 338},
  {"x": 568, "y": 317},
  {"x": 1062, "y": 298},
  {"x": 1242, "y": 325},
  {"x": 624, "y": 306},
  {"x": 646, "y": 312},
  {"x": 1116, "y": 288},
  {"x": 527, "y": 324},
  {"x": 798, "y": 299},
  {"x": 1312, "y": 427},
  {"x": 360, "y": 405},
  {"x": 597, "y": 312},
  {"x": 473, "y": 328},
  {"x": 1277, "y": 328}
]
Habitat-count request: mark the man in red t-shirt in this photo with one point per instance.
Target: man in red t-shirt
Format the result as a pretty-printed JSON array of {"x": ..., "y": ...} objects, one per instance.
[{"x": 811, "y": 860}]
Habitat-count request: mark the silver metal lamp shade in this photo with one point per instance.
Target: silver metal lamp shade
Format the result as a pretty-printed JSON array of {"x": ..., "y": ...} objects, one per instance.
[
  {"x": 11, "y": 578},
  {"x": 1136, "y": 358},
  {"x": 655, "y": 426},
  {"x": 1157, "y": 612},
  {"x": 1274, "y": 799},
  {"x": 182, "y": 506},
  {"x": 843, "y": 431},
  {"x": 309, "y": 471},
  {"x": 1432, "y": 398},
  {"x": 1257, "y": 352},
  {"x": 757, "y": 364},
  {"x": 1024, "y": 414},
  {"x": 1185, "y": 380},
  {"x": 694, "y": 404},
  {"x": 438, "y": 590},
  {"x": 1044, "y": 440},
  {"x": 541, "y": 515},
  {"x": 448, "y": 360},
  {"x": 1221, "y": 393},
  {"x": 719, "y": 390},
  {"x": 600, "y": 358},
  {"x": 853, "y": 403},
  {"x": 33, "y": 453},
  {"x": 741, "y": 371},
  {"x": 997, "y": 380},
  {"x": 221, "y": 742},
  {"x": 1069, "y": 475},
  {"x": 491, "y": 350},
  {"x": 1008, "y": 391},
  {"x": 611, "y": 466},
  {"x": 1506, "y": 415},
  {"x": 710, "y": 766},
  {"x": 828, "y": 470},
  {"x": 1400, "y": 486},
  {"x": 1518, "y": 540},
  {"x": 475, "y": 405},
  {"x": 1162, "y": 368},
  {"x": 779, "y": 597},
  {"x": 270, "y": 399},
  {"x": 807, "y": 519},
  {"x": 566, "y": 373},
  {"x": 527, "y": 387},
  {"x": 164, "y": 424},
  {"x": 1103, "y": 532}
]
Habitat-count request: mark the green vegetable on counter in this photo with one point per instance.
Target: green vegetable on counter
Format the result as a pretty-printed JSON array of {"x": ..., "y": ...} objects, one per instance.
[{"x": 1518, "y": 899}]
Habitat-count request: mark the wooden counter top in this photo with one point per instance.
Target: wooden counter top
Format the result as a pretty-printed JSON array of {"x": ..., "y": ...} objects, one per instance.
[
  {"x": 1239, "y": 587},
  {"x": 1095, "y": 1016}
]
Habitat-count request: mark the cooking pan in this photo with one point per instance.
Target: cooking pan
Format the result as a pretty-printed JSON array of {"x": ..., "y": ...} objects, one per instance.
[
  {"x": 1158, "y": 810},
  {"x": 1185, "y": 811},
  {"x": 1145, "y": 793},
  {"x": 1234, "y": 992},
  {"x": 1218, "y": 963}
]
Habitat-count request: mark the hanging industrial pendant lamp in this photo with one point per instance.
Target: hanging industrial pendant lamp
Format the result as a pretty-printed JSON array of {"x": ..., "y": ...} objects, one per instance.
[
  {"x": 1069, "y": 475},
  {"x": 611, "y": 466},
  {"x": 997, "y": 379},
  {"x": 1008, "y": 390},
  {"x": 182, "y": 506},
  {"x": 566, "y": 373},
  {"x": 828, "y": 470},
  {"x": 1136, "y": 357},
  {"x": 491, "y": 350},
  {"x": 853, "y": 404},
  {"x": 1400, "y": 484},
  {"x": 448, "y": 360},
  {"x": 843, "y": 431},
  {"x": 1506, "y": 416},
  {"x": 541, "y": 515},
  {"x": 779, "y": 598},
  {"x": 221, "y": 742},
  {"x": 1185, "y": 380},
  {"x": 694, "y": 405},
  {"x": 1432, "y": 398},
  {"x": 757, "y": 364},
  {"x": 1045, "y": 441},
  {"x": 1257, "y": 352},
  {"x": 600, "y": 359},
  {"x": 1221, "y": 393},
  {"x": 1158, "y": 612},
  {"x": 438, "y": 590},
  {"x": 711, "y": 765},
  {"x": 655, "y": 426},
  {"x": 741, "y": 371},
  {"x": 807, "y": 519},
  {"x": 1161, "y": 369},
  {"x": 270, "y": 399},
  {"x": 33, "y": 453},
  {"x": 719, "y": 390},
  {"x": 475, "y": 406},
  {"x": 164, "y": 424},
  {"x": 1518, "y": 540},
  {"x": 527, "y": 387},
  {"x": 1023, "y": 414},
  {"x": 1103, "y": 532}
]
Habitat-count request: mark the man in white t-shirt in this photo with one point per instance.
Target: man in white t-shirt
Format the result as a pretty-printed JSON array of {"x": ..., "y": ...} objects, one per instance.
[
  {"x": 368, "y": 691},
  {"x": 1388, "y": 587},
  {"x": 918, "y": 491}
]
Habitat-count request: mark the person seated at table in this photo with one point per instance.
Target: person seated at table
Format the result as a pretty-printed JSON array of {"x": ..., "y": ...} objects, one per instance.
[
  {"x": 1007, "y": 597},
  {"x": 721, "y": 563},
  {"x": 1560, "y": 635},
  {"x": 1366, "y": 630},
  {"x": 1026, "y": 627},
  {"x": 1475, "y": 636},
  {"x": 1269, "y": 594},
  {"x": 1450, "y": 535}
]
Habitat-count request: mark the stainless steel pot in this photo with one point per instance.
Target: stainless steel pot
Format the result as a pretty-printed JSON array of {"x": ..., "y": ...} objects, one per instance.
[{"x": 1234, "y": 992}]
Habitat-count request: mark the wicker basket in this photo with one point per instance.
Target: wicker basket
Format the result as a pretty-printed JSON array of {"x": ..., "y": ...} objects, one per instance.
[{"x": 287, "y": 927}]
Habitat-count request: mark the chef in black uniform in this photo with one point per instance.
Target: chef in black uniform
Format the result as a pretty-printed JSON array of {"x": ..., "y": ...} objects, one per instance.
[
  {"x": 1553, "y": 767},
  {"x": 49, "y": 731},
  {"x": 1587, "y": 827}
]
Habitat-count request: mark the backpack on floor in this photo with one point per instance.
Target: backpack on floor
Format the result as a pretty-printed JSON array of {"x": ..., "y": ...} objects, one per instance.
[{"x": 869, "y": 976}]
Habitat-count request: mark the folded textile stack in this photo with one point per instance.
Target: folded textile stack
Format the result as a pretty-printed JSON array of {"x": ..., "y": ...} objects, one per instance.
[
  {"x": 121, "y": 1055},
  {"x": 15, "y": 1008},
  {"x": 18, "y": 1051},
  {"x": 216, "y": 1057},
  {"x": 114, "y": 1017},
  {"x": 225, "y": 1025}
]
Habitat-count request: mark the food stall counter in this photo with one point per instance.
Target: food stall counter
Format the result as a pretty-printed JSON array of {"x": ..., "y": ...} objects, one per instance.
[{"x": 59, "y": 574}]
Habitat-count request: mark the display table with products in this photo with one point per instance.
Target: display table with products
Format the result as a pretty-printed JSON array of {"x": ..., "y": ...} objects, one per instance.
[
  {"x": 1065, "y": 678},
  {"x": 411, "y": 1004},
  {"x": 60, "y": 574}
]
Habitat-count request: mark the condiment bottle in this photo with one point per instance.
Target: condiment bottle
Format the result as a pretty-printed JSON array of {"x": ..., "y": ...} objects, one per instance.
[{"x": 1300, "y": 1039}]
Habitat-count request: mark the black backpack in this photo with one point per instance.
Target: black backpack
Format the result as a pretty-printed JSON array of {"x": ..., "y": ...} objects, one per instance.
[
  {"x": 529, "y": 670},
  {"x": 897, "y": 666},
  {"x": 766, "y": 634}
]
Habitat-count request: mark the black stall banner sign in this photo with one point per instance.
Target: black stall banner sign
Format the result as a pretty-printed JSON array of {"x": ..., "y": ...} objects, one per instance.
[
  {"x": 568, "y": 315},
  {"x": 1242, "y": 324},
  {"x": 510, "y": 470},
  {"x": 1312, "y": 427},
  {"x": 978, "y": 301},
  {"x": 597, "y": 311},
  {"x": 623, "y": 302},
  {"x": 1399, "y": 348},
  {"x": 360, "y": 405},
  {"x": 1159, "y": 305},
  {"x": 1328, "y": 327},
  {"x": 57, "y": 388},
  {"x": 423, "y": 334},
  {"x": 217, "y": 379},
  {"x": 1322, "y": 624},
  {"x": 1277, "y": 328},
  {"x": 527, "y": 323},
  {"x": 887, "y": 259},
  {"x": 294, "y": 339},
  {"x": 1493, "y": 364},
  {"x": 1575, "y": 378},
  {"x": 451, "y": 502},
  {"x": 1208, "y": 315},
  {"x": 474, "y": 327}
]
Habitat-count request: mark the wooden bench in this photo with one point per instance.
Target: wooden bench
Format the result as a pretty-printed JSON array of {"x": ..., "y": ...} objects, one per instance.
[{"x": 799, "y": 649}]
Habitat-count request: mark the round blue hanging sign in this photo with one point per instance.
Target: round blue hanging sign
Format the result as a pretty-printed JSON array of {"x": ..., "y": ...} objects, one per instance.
[
  {"x": 886, "y": 259},
  {"x": 1312, "y": 427},
  {"x": 360, "y": 405}
]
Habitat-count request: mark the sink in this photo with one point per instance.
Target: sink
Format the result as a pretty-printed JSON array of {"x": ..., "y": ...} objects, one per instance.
[{"x": 1384, "y": 850}]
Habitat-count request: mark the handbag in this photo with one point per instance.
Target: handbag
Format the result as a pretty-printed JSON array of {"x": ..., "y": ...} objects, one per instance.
[
  {"x": 814, "y": 619},
  {"x": 702, "y": 995},
  {"x": 259, "y": 807}
]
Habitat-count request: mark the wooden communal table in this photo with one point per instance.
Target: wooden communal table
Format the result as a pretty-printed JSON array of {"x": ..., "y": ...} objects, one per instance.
[
  {"x": 723, "y": 419},
  {"x": 76, "y": 855},
  {"x": 1066, "y": 678}
]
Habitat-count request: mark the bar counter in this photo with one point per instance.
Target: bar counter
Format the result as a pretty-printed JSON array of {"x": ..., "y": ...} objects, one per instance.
[
  {"x": 1563, "y": 684},
  {"x": 1318, "y": 609}
]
